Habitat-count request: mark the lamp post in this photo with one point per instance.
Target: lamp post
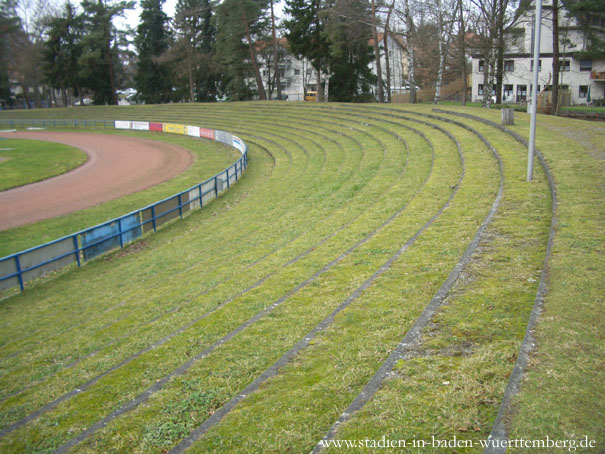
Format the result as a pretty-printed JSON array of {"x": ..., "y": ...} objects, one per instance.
[{"x": 534, "y": 93}]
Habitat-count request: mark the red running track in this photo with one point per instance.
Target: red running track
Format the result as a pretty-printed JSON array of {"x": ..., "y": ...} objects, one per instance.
[{"x": 116, "y": 166}]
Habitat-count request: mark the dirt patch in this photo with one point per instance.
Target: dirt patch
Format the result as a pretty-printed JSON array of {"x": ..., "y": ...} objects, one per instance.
[{"x": 116, "y": 166}]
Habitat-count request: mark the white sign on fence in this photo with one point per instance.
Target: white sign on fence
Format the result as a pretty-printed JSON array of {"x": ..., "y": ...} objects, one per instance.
[
  {"x": 119, "y": 124},
  {"x": 140, "y": 125},
  {"x": 193, "y": 131}
]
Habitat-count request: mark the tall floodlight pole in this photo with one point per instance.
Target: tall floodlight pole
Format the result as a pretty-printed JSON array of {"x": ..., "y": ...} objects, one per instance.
[{"x": 534, "y": 92}]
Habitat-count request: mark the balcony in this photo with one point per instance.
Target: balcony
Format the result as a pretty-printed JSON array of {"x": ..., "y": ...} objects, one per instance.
[{"x": 598, "y": 76}]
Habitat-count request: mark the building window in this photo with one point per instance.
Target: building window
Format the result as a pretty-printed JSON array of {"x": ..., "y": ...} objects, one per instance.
[
  {"x": 585, "y": 65},
  {"x": 564, "y": 65},
  {"x": 521, "y": 93},
  {"x": 297, "y": 72},
  {"x": 539, "y": 65},
  {"x": 481, "y": 66},
  {"x": 509, "y": 66},
  {"x": 480, "y": 90},
  {"x": 508, "y": 93},
  {"x": 531, "y": 88},
  {"x": 583, "y": 91}
]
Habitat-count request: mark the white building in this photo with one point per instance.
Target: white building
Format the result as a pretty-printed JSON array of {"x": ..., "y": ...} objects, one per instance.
[
  {"x": 297, "y": 76},
  {"x": 398, "y": 63},
  {"x": 583, "y": 79}
]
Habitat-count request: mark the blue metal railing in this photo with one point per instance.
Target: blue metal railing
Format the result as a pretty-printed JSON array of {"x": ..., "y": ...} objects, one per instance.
[{"x": 18, "y": 268}]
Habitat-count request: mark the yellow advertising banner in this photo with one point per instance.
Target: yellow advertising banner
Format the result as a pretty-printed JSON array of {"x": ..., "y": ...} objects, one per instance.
[{"x": 175, "y": 129}]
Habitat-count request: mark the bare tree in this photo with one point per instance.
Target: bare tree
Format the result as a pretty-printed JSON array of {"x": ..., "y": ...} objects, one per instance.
[
  {"x": 410, "y": 38},
  {"x": 377, "y": 53},
  {"x": 26, "y": 44},
  {"x": 555, "y": 58},
  {"x": 462, "y": 48},
  {"x": 275, "y": 54},
  {"x": 387, "y": 31},
  {"x": 445, "y": 17}
]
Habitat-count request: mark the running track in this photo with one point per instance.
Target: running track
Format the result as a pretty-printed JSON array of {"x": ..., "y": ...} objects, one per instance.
[{"x": 116, "y": 166}]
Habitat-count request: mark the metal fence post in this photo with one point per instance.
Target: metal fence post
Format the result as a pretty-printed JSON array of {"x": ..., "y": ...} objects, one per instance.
[
  {"x": 153, "y": 218},
  {"x": 227, "y": 172},
  {"x": 120, "y": 233},
  {"x": 180, "y": 206},
  {"x": 20, "y": 274},
  {"x": 216, "y": 187},
  {"x": 201, "y": 198},
  {"x": 77, "y": 249}
]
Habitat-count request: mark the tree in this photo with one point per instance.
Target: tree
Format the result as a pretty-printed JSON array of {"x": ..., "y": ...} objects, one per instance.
[
  {"x": 306, "y": 37},
  {"x": 9, "y": 28},
  {"x": 195, "y": 45},
  {"x": 387, "y": 31},
  {"x": 555, "y": 58},
  {"x": 239, "y": 22},
  {"x": 275, "y": 53},
  {"x": 445, "y": 18},
  {"x": 100, "y": 52},
  {"x": 153, "y": 78},
  {"x": 62, "y": 51},
  {"x": 24, "y": 44},
  {"x": 585, "y": 12},
  {"x": 350, "y": 55},
  {"x": 494, "y": 18},
  {"x": 376, "y": 46},
  {"x": 410, "y": 38},
  {"x": 462, "y": 48}
]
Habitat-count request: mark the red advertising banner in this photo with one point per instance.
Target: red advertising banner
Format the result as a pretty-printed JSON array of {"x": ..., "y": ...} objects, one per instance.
[
  {"x": 207, "y": 133},
  {"x": 156, "y": 127}
]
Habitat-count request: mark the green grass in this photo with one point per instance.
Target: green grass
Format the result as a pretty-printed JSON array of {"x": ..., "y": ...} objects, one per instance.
[
  {"x": 25, "y": 161},
  {"x": 459, "y": 103},
  {"x": 301, "y": 231},
  {"x": 583, "y": 109}
]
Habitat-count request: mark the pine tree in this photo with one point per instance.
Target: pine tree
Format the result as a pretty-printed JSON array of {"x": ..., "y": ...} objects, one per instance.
[
  {"x": 9, "y": 27},
  {"x": 195, "y": 48},
  {"x": 305, "y": 35},
  {"x": 350, "y": 52},
  {"x": 153, "y": 78},
  {"x": 590, "y": 15},
  {"x": 241, "y": 25},
  {"x": 100, "y": 54},
  {"x": 62, "y": 51}
]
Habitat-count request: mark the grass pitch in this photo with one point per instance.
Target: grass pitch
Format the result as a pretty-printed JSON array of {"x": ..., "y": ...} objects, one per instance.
[{"x": 25, "y": 161}]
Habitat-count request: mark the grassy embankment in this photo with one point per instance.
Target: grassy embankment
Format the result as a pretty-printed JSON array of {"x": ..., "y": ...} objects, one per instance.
[{"x": 332, "y": 195}]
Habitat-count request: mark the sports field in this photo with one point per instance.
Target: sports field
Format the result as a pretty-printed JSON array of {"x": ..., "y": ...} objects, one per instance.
[
  {"x": 28, "y": 161},
  {"x": 371, "y": 277}
]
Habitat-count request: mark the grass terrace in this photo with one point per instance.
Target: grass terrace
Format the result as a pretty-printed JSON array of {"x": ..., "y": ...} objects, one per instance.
[{"x": 254, "y": 324}]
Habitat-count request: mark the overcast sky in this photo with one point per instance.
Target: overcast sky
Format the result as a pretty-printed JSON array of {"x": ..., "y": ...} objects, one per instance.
[{"x": 132, "y": 16}]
